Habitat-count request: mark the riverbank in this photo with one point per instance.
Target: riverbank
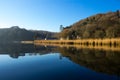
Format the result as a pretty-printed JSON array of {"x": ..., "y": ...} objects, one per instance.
[{"x": 94, "y": 42}]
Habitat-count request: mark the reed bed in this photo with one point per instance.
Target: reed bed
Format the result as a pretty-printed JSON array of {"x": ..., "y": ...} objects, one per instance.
[{"x": 94, "y": 42}]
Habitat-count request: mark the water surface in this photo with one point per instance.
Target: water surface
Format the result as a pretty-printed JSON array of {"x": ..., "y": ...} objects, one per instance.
[{"x": 29, "y": 62}]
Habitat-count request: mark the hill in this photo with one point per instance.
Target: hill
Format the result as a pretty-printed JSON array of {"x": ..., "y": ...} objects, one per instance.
[
  {"x": 105, "y": 25},
  {"x": 18, "y": 34}
]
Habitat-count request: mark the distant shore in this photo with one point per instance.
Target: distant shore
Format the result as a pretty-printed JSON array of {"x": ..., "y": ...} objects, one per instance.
[{"x": 27, "y": 42}]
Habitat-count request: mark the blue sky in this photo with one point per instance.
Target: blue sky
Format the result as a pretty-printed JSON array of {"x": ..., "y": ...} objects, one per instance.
[{"x": 50, "y": 14}]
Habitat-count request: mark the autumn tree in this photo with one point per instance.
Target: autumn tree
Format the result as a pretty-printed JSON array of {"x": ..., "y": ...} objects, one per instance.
[
  {"x": 86, "y": 34},
  {"x": 99, "y": 34},
  {"x": 110, "y": 32},
  {"x": 65, "y": 33}
]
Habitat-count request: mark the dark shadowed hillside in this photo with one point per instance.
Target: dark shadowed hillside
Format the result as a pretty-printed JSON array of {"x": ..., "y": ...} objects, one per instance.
[
  {"x": 105, "y": 25},
  {"x": 17, "y": 34}
]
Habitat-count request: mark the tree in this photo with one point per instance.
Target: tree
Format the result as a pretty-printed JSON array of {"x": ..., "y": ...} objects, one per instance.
[
  {"x": 118, "y": 13},
  {"x": 86, "y": 34},
  {"x": 65, "y": 33},
  {"x": 99, "y": 34},
  {"x": 112, "y": 32},
  {"x": 73, "y": 34},
  {"x": 61, "y": 27}
]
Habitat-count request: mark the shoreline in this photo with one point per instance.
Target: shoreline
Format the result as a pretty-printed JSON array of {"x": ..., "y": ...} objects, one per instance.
[
  {"x": 94, "y": 42},
  {"x": 104, "y": 44}
]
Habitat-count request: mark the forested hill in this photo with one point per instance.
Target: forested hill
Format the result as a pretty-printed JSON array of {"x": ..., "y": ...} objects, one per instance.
[
  {"x": 104, "y": 25},
  {"x": 18, "y": 34}
]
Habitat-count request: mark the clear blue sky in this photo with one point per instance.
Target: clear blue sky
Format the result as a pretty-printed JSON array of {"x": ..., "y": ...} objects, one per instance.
[{"x": 50, "y": 14}]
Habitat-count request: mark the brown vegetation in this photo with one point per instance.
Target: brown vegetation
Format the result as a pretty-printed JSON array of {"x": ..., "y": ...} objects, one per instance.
[
  {"x": 110, "y": 42},
  {"x": 98, "y": 26}
]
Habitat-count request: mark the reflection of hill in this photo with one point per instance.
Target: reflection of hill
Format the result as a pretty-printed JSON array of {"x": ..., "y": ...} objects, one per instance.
[
  {"x": 46, "y": 49},
  {"x": 98, "y": 60},
  {"x": 16, "y": 50},
  {"x": 101, "y": 61}
]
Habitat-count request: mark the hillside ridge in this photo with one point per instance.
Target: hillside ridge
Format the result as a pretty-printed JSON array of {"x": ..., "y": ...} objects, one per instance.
[{"x": 105, "y": 25}]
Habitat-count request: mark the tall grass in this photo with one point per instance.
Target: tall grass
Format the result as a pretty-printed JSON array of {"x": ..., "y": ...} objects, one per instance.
[{"x": 94, "y": 42}]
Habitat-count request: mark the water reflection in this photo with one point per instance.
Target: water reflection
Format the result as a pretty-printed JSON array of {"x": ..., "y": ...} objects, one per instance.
[
  {"x": 102, "y": 61},
  {"x": 98, "y": 60},
  {"x": 16, "y": 50}
]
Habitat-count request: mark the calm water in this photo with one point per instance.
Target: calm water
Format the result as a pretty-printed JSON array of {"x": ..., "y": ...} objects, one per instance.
[{"x": 29, "y": 62}]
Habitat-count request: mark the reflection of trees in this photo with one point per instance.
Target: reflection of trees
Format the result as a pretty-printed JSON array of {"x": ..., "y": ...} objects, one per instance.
[
  {"x": 16, "y": 48},
  {"x": 98, "y": 60}
]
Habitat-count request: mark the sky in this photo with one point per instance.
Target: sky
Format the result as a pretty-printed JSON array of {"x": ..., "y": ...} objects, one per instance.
[{"x": 50, "y": 14}]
